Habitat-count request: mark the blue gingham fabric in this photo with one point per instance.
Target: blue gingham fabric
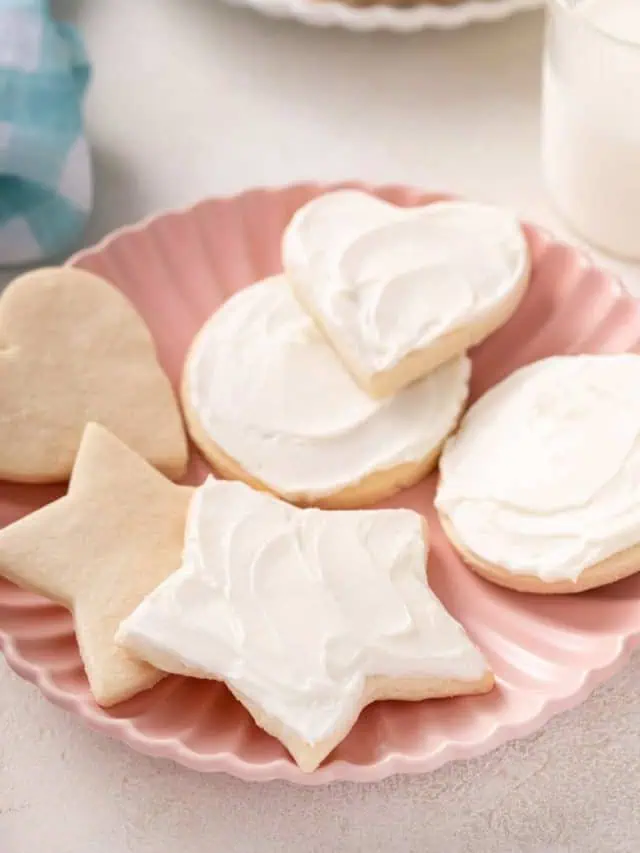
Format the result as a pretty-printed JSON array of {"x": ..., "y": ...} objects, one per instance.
[{"x": 45, "y": 168}]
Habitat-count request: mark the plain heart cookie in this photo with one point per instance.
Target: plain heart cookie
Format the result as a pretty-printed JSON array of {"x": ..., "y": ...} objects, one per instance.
[
  {"x": 539, "y": 488},
  {"x": 399, "y": 291},
  {"x": 73, "y": 350},
  {"x": 268, "y": 401},
  {"x": 307, "y": 615}
]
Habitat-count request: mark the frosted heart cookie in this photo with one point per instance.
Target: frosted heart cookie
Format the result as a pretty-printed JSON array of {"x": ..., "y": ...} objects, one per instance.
[
  {"x": 73, "y": 350},
  {"x": 399, "y": 291},
  {"x": 539, "y": 488},
  {"x": 307, "y": 615},
  {"x": 98, "y": 551},
  {"x": 268, "y": 401}
]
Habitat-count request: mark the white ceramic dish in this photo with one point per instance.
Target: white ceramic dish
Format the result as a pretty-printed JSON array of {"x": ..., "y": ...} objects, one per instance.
[{"x": 323, "y": 13}]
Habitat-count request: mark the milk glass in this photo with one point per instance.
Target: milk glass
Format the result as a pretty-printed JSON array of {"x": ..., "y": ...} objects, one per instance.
[{"x": 591, "y": 119}]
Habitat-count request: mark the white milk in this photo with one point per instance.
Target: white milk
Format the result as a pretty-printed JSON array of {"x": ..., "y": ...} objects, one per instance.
[{"x": 591, "y": 121}]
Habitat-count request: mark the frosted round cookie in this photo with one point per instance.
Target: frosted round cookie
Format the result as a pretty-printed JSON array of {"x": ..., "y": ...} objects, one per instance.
[
  {"x": 268, "y": 401},
  {"x": 399, "y": 291},
  {"x": 539, "y": 488}
]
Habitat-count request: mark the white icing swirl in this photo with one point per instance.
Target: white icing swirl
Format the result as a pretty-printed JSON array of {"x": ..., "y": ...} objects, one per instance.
[
  {"x": 386, "y": 280},
  {"x": 542, "y": 478},
  {"x": 295, "y": 608},
  {"x": 271, "y": 392}
]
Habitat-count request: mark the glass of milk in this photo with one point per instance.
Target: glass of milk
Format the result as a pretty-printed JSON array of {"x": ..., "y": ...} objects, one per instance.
[{"x": 591, "y": 120}]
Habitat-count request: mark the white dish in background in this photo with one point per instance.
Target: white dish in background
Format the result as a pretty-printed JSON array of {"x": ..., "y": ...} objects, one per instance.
[{"x": 324, "y": 13}]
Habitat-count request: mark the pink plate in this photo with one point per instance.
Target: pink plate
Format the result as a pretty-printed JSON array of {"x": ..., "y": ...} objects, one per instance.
[{"x": 548, "y": 653}]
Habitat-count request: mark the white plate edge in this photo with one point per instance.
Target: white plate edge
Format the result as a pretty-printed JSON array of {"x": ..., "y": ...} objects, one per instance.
[{"x": 395, "y": 19}]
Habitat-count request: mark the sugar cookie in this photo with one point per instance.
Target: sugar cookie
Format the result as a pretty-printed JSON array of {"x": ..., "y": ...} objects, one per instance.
[
  {"x": 307, "y": 615},
  {"x": 399, "y": 291},
  {"x": 99, "y": 550},
  {"x": 267, "y": 401},
  {"x": 73, "y": 350},
  {"x": 539, "y": 488}
]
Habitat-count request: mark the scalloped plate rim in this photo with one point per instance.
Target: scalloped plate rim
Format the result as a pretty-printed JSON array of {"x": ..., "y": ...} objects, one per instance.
[
  {"x": 318, "y": 13},
  {"x": 339, "y": 770}
]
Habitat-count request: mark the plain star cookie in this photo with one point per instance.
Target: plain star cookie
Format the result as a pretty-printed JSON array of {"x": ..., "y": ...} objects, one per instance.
[
  {"x": 98, "y": 551},
  {"x": 73, "y": 350},
  {"x": 307, "y": 615},
  {"x": 269, "y": 402},
  {"x": 399, "y": 291},
  {"x": 539, "y": 488}
]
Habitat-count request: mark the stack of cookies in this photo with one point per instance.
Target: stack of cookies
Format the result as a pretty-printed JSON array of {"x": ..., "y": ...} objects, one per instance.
[{"x": 337, "y": 383}]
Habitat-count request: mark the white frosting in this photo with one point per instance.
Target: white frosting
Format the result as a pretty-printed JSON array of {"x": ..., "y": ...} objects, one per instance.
[
  {"x": 542, "y": 478},
  {"x": 294, "y": 608},
  {"x": 271, "y": 392},
  {"x": 385, "y": 280}
]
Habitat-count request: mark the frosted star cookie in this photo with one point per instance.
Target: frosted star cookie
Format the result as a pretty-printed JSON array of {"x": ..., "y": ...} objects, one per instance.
[
  {"x": 539, "y": 488},
  {"x": 98, "y": 551},
  {"x": 399, "y": 291},
  {"x": 268, "y": 401},
  {"x": 73, "y": 350},
  {"x": 307, "y": 615}
]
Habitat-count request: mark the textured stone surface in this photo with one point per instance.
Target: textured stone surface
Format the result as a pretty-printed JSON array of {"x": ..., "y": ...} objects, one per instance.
[{"x": 571, "y": 788}]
